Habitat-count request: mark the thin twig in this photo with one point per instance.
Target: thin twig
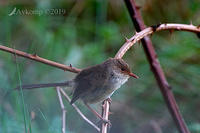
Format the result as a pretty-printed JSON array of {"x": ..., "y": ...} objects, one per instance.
[
  {"x": 153, "y": 60},
  {"x": 78, "y": 110},
  {"x": 63, "y": 110},
  {"x": 39, "y": 59},
  {"x": 105, "y": 114},
  {"x": 150, "y": 30}
]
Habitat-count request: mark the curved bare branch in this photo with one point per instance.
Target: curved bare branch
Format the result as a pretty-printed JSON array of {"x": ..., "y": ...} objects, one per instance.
[{"x": 150, "y": 30}]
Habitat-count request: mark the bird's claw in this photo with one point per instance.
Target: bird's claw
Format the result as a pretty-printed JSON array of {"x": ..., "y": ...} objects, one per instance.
[
  {"x": 105, "y": 122},
  {"x": 109, "y": 100}
]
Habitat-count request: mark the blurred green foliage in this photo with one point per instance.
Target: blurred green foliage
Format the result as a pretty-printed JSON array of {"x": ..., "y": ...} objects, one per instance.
[{"x": 87, "y": 33}]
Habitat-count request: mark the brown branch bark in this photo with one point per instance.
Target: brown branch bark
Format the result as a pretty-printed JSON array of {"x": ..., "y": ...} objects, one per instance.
[
  {"x": 39, "y": 59},
  {"x": 156, "y": 68}
]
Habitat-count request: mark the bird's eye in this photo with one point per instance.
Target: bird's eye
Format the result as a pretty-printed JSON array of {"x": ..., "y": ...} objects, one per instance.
[{"x": 122, "y": 69}]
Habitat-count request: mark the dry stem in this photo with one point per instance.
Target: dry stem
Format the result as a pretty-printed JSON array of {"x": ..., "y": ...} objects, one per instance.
[
  {"x": 39, "y": 59},
  {"x": 154, "y": 62},
  {"x": 150, "y": 30},
  {"x": 78, "y": 110},
  {"x": 105, "y": 114},
  {"x": 63, "y": 110}
]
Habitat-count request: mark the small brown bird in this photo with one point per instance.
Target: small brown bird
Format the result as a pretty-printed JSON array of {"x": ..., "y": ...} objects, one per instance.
[{"x": 96, "y": 83}]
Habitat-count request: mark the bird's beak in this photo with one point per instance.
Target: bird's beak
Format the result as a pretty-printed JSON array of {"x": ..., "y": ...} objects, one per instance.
[{"x": 133, "y": 75}]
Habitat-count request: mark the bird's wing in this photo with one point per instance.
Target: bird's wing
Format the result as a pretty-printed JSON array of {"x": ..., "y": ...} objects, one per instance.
[{"x": 88, "y": 80}]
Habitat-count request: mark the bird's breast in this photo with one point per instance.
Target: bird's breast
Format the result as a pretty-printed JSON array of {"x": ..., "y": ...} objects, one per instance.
[
  {"x": 116, "y": 80},
  {"x": 107, "y": 89}
]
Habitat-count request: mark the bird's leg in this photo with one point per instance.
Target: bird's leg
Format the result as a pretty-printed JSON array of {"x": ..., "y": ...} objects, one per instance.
[
  {"x": 97, "y": 114},
  {"x": 93, "y": 111},
  {"x": 109, "y": 101}
]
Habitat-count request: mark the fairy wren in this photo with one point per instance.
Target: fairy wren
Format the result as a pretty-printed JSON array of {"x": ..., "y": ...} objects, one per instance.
[{"x": 97, "y": 83}]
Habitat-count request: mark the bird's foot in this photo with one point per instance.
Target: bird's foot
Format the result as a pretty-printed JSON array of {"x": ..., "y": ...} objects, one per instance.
[
  {"x": 100, "y": 122},
  {"x": 109, "y": 100}
]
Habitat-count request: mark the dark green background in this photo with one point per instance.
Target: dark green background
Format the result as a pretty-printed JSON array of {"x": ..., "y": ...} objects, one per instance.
[{"x": 88, "y": 33}]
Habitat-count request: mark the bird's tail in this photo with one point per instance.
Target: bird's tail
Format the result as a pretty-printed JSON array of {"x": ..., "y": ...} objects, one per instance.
[{"x": 33, "y": 86}]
